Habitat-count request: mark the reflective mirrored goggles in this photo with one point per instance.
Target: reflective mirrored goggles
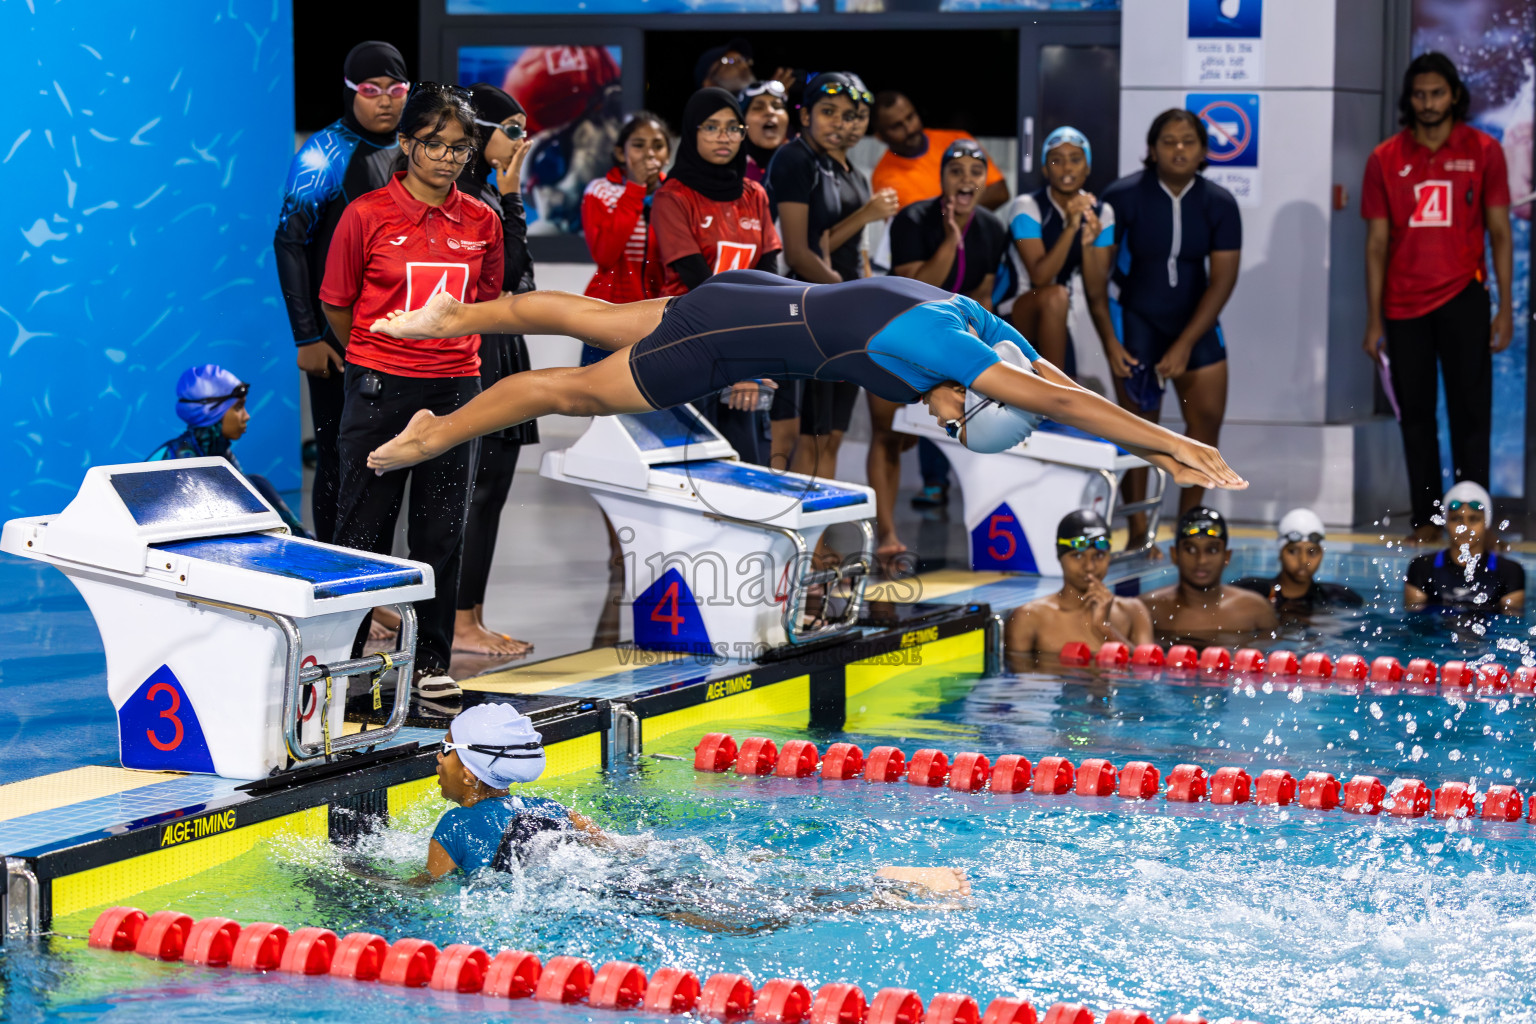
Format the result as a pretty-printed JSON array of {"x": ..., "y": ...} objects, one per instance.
[
  {"x": 1203, "y": 528},
  {"x": 952, "y": 427},
  {"x": 241, "y": 390},
  {"x": 855, "y": 94},
  {"x": 1475, "y": 506},
  {"x": 447, "y": 747},
  {"x": 511, "y": 131},
  {"x": 1296, "y": 537},
  {"x": 368, "y": 90},
  {"x": 772, "y": 87},
  {"x": 1098, "y": 543}
]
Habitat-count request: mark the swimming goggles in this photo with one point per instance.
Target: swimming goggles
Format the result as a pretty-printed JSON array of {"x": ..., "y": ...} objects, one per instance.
[
  {"x": 447, "y": 747},
  {"x": 1296, "y": 537},
  {"x": 952, "y": 427},
  {"x": 368, "y": 90},
  {"x": 1475, "y": 506},
  {"x": 854, "y": 93},
  {"x": 772, "y": 87},
  {"x": 511, "y": 131},
  {"x": 1099, "y": 543},
  {"x": 1205, "y": 528},
  {"x": 241, "y": 390}
]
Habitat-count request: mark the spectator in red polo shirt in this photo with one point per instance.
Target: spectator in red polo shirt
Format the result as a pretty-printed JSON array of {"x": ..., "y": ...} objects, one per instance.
[
  {"x": 1430, "y": 192},
  {"x": 616, "y": 217},
  {"x": 393, "y": 249}
]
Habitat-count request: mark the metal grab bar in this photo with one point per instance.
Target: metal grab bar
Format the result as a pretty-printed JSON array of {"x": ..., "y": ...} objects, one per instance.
[
  {"x": 295, "y": 677},
  {"x": 794, "y": 599},
  {"x": 18, "y": 873},
  {"x": 1152, "y": 505}
]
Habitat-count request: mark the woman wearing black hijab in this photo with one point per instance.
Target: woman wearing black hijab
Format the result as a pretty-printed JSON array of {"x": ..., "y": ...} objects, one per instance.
[
  {"x": 709, "y": 218},
  {"x": 500, "y": 147},
  {"x": 346, "y": 159}
]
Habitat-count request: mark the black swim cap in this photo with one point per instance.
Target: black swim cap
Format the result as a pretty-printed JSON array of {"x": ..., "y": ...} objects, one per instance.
[
  {"x": 1200, "y": 521},
  {"x": 962, "y": 147},
  {"x": 1084, "y": 523}
]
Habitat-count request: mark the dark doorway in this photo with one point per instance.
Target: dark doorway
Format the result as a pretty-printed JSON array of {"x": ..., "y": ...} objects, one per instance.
[{"x": 1073, "y": 78}]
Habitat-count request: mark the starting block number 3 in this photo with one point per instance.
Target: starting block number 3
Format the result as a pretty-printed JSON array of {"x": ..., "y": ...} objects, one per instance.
[{"x": 167, "y": 713}]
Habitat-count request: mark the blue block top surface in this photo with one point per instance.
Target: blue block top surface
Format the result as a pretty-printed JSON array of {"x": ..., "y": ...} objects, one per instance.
[
  {"x": 1052, "y": 427},
  {"x": 814, "y": 495},
  {"x": 332, "y": 571},
  {"x": 188, "y": 494},
  {"x": 666, "y": 428}
]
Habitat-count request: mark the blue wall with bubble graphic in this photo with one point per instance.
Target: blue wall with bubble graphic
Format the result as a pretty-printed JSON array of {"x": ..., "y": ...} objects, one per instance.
[{"x": 143, "y": 169}]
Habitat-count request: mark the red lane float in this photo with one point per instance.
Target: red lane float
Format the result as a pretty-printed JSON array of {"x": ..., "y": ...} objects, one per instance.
[
  {"x": 1148, "y": 656},
  {"x": 211, "y": 942},
  {"x": 1112, "y": 655},
  {"x": 1011, "y": 774},
  {"x": 672, "y": 990},
  {"x": 1282, "y": 663},
  {"x": 513, "y": 974},
  {"x": 928, "y": 768},
  {"x": 969, "y": 772},
  {"x": 1316, "y": 665},
  {"x": 1524, "y": 679},
  {"x": 797, "y": 760},
  {"x": 1095, "y": 777},
  {"x": 1216, "y": 660},
  {"x": 1007, "y": 1010},
  {"x": 1248, "y": 661},
  {"x": 565, "y": 979},
  {"x": 117, "y": 929},
  {"x": 716, "y": 752},
  {"x": 1068, "y": 1013},
  {"x": 359, "y": 956},
  {"x": 781, "y": 1001},
  {"x": 1350, "y": 666},
  {"x": 1492, "y": 678},
  {"x": 1129, "y": 1017},
  {"x": 310, "y": 951},
  {"x": 1186, "y": 784},
  {"x": 164, "y": 935},
  {"x": 409, "y": 963},
  {"x": 896, "y": 1006},
  {"x": 1319, "y": 791},
  {"x": 757, "y": 756},
  {"x": 1364, "y": 794},
  {"x": 1457, "y": 675},
  {"x": 1503, "y": 803},
  {"x": 1422, "y": 671},
  {"x": 1386, "y": 670},
  {"x": 1454, "y": 800},
  {"x": 885, "y": 764},
  {"x": 1276, "y": 788},
  {"x": 952, "y": 1008},
  {"x": 1182, "y": 657},
  {"x": 726, "y": 997},
  {"x": 842, "y": 761},
  {"x": 839, "y": 1003},
  {"x": 1075, "y": 653},
  {"x": 260, "y": 947},
  {"x": 1053, "y": 776},
  {"x": 1138, "y": 781},
  {"x": 1407, "y": 798},
  {"x": 461, "y": 968},
  {"x": 1231, "y": 786},
  {"x": 619, "y": 985}
]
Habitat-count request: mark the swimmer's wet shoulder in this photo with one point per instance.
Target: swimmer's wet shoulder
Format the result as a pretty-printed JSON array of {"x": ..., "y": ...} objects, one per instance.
[
  {"x": 944, "y": 340},
  {"x": 472, "y": 835}
]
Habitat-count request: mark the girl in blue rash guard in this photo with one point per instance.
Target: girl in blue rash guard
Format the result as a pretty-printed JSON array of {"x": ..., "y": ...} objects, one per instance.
[{"x": 896, "y": 337}]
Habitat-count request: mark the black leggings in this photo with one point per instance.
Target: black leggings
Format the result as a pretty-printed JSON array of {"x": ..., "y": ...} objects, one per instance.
[
  {"x": 326, "y": 397},
  {"x": 493, "y": 480},
  {"x": 1456, "y": 334}
]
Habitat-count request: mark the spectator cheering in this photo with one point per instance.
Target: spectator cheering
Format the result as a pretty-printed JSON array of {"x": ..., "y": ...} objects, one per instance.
[
  {"x": 914, "y": 153},
  {"x": 340, "y": 162},
  {"x": 709, "y": 218},
  {"x": 1468, "y": 576},
  {"x": 616, "y": 216},
  {"x": 1169, "y": 222},
  {"x": 394, "y": 249},
  {"x": 1060, "y": 234},
  {"x": 766, "y": 113},
  {"x": 1430, "y": 192}
]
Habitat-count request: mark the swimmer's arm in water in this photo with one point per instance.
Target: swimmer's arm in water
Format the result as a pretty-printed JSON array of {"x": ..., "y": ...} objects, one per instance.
[
  {"x": 1052, "y": 393},
  {"x": 439, "y": 863}
]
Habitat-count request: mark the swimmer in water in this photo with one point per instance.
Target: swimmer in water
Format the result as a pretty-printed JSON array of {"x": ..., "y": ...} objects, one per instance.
[
  {"x": 1468, "y": 576},
  {"x": 1199, "y": 605},
  {"x": 1296, "y": 590},
  {"x": 1085, "y": 609},
  {"x": 899, "y": 338}
]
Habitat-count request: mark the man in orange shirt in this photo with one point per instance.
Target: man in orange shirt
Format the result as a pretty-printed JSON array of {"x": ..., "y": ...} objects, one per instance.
[{"x": 911, "y": 164}]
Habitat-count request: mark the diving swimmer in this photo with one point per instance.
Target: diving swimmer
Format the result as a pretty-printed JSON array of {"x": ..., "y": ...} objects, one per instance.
[{"x": 899, "y": 338}]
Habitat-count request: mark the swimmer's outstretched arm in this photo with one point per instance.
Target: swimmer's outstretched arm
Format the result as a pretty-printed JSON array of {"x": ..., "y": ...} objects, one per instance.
[
  {"x": 1052, "y": 393},
  {"x": 607, "y": 325}
]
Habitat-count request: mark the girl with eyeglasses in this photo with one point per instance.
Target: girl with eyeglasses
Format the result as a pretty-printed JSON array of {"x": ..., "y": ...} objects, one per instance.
[
  {"x": 395, "y": 248},
  {"x": 710, "y": 218}
]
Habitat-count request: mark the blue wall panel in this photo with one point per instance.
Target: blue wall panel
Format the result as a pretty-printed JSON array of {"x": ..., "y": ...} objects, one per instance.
[{"x": 142, "y": 169}]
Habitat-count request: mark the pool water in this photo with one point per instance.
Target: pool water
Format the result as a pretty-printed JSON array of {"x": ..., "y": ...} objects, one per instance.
[{"x": 1272, "y": 914}]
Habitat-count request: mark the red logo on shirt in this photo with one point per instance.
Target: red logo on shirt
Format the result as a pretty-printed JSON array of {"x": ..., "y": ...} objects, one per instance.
[
  {"x": 424, "y": 280},
  {"x": 1432, "y": 205},
  {"x": 734, "y": 256}
]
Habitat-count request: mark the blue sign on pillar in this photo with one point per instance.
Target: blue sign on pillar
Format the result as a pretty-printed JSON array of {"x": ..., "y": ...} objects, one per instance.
[
  {"x": 998, "y": 543},
  {"x": 1226, "y": 19},
  {"x": 667, "y": 617},
  {"x": 1232, "y": 122}
]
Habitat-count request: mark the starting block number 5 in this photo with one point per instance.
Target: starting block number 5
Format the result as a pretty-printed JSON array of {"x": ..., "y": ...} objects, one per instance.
[{"x": 997, "y": 531}]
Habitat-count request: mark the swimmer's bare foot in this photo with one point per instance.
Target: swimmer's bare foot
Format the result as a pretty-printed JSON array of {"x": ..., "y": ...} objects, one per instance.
[
  {"x": 433, "y": 320},
  {"x": 888, "y": 556},
  {"x": 943, "y": 881},
  {"x": 476, "y": 639},
  {"x": 1424, "y": 535},
  {"x": 406, "y": 448},
  {"x": 524, "y": 646}
]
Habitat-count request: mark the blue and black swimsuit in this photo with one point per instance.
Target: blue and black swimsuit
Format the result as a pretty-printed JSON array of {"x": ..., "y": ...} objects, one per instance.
[{"x": 896, "y": 337}]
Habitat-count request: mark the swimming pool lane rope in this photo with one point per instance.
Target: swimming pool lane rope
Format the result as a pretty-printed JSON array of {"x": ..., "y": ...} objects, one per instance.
[
  {"x": 1186, "y": 783},
  {"x": 219, "y": 942}
]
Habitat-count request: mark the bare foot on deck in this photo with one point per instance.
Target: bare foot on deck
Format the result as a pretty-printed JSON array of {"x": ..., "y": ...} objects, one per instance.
[
  {"x": 430, "y": 321},
  {"x": 473, "y": 638},
  {"x": 406, "y": 448}
]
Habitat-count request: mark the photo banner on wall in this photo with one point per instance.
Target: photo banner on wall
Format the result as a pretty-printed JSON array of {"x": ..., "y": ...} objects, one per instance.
[{"x": 1224, "y": 45}]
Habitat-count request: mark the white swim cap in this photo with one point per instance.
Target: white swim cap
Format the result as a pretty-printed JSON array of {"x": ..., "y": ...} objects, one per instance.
[
  {"x": 507, "y": 747},
  {"x": 990, "y": 426},
  {"x": 1300, "y": 524},
  {"x": 1467, "y": 492}
]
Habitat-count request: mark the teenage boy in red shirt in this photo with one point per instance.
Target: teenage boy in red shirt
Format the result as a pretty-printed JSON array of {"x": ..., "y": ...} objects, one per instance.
[{"x": 1430, "y": 192}]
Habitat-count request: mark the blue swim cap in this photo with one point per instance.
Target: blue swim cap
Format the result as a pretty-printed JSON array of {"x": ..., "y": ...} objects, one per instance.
[
  {"x": 1066, "y": 135},
  {"x": 205, "y": 393}
]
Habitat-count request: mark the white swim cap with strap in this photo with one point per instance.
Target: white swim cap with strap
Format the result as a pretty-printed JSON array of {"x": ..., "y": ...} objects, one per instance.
[
  {"x": 1468, "y": 493},
  {"x": 991, "y": 426},
  {"x": 503, "y": 746},
  {"x": 1300, "y": 524}
]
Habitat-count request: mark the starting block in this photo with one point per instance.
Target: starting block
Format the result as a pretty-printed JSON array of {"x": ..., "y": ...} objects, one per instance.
[
  {"x": 227, "y": 639},
  {"x": 1015, "y": 499},
  {"x": 718, "y": 554}
]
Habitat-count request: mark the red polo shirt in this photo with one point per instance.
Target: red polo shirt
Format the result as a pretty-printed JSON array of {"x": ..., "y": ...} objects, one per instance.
[
  {"x": 392, "y": 251},
  {"x": 1434, "y": 203},
  {"x": 730, "y": 236}
]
